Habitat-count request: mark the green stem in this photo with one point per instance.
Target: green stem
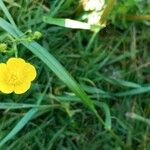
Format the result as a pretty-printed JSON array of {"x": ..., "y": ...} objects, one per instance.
[
  {"x": 91, "y": 41},
  {"x": 138, "y": 17},
  {"x": 15, "y": 49},
  {"x": 107, "y": 10}
]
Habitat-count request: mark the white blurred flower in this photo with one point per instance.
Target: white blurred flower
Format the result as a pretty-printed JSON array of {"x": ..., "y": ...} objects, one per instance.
[
  {"x": 94, "y": 18},
  {"x": 96, "y": 5}
]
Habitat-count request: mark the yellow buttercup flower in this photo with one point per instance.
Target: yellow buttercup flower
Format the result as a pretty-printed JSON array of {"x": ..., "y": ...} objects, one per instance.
[{"x": 16, "y": 76}]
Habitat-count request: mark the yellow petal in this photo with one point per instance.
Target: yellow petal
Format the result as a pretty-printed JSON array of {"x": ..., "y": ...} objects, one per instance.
[
  {"x": 22, "y": 88},
  {"x": 30, "y": 72},
  {"x": 14, "y": 61},
  {"x": 15, "y": 64},
  {"x": 3, "y": 76},
  {"x": 5, "y": 88},
  {"x": 3, "y": 71}
]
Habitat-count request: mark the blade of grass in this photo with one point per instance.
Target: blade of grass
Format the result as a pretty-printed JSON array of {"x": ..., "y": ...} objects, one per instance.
[
  {"x": 90, "y": 43},
  {"x": 23, "y": 106},
  {"x": 134, "y": 91},
  {"x": 55, "y": 7},
  {"x": 118, "y": 82},
  {"x": 68, "y": 23},
  {"x": 137, "y": 90},
  {"x": 105, "y": 107},
  {"x": 94, "y": 90},
  {"x": 3, "y": 7},
  {"x": 137, "y": 117},
  {"x": 107, "y": 10},
  {"x": 138, "y": 17}
]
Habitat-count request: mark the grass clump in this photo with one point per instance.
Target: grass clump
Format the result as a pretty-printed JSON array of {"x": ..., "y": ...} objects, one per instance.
[{"x": 92, "y": 86}]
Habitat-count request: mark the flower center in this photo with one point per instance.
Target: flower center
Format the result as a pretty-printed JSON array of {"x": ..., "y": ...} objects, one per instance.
[{"x": 13, "y": 79}]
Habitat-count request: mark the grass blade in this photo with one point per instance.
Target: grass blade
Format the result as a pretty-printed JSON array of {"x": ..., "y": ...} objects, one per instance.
[
  {"x": 5, "y": 10},
  {"x": 134, "y": 91},
  {"x": 16, "y": 106},
  {"x": 24, "y": 106},
  {"x": 56, "y": 7},
  {"x": 105, "y": 107},
  {"x": 137, "y": 117},
  {"x": 68, "y": 23}
]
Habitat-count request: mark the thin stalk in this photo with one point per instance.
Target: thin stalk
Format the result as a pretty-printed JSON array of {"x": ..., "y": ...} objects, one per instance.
[
  {"x": 16, "y": 51},
  {"x": 138, "y": 17},
  {"x": 91, "y": 41},
  {"x": 107, "y": 10}
]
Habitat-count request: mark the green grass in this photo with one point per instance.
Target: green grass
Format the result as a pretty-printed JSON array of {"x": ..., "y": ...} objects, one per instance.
[{"x": 92, "y": 88}]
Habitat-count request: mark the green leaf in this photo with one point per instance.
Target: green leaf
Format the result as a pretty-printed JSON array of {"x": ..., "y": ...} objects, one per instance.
[
  {"x": 134, "y": 91},
  {"x": 137, "y": 117},
  {"x": 105, "y": 107},
  {"x": 5, "y": 10},
  {"x": 23, "y": 106},
  {"x": 68, "y": 23}
]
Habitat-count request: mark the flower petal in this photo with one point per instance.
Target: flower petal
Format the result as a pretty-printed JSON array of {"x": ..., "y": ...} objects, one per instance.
[
  {"x": 30, "y": 72},
  {"x": 3, "y": 76},
  {"x": 14, "y": 61},
  {"x": 15, "y": 64},
  {"x": 3, "y": 71},
  {"x": 5, "y": 88},
  {"x": 22, "y": 88}
]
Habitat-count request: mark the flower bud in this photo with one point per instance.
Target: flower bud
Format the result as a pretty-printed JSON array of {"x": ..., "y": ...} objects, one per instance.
[
  {"x": 3, "y": 47},
  {"x": 37, "y": 35}
]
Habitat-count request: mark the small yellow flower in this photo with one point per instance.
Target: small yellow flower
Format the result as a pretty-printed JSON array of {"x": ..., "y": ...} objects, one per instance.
[{"x": 16, "y": 76}]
